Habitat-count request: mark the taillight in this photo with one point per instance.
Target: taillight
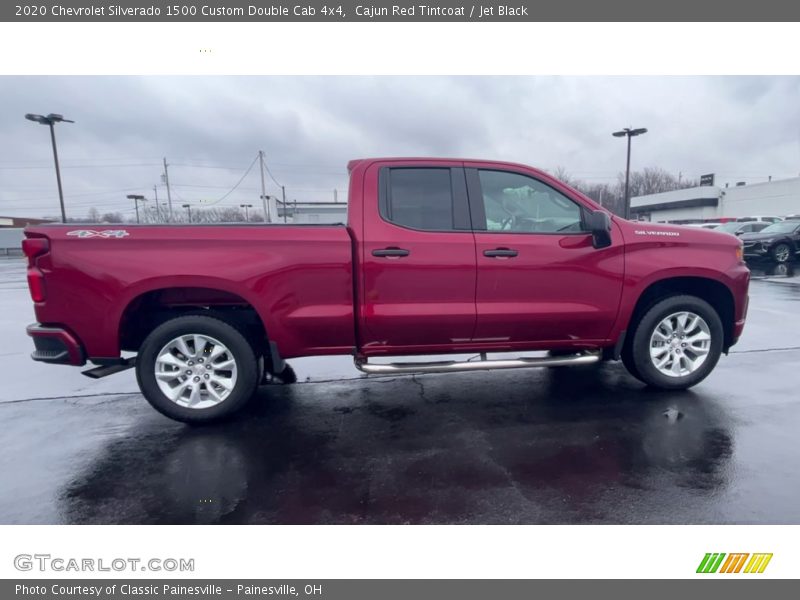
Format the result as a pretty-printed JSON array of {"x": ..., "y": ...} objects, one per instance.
[
  {"x": 33, "y": 248},
  {"x": 36, "y": 284}
]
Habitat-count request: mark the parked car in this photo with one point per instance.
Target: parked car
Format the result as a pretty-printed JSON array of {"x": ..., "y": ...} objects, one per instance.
[
  {"x": 704, "y": 225},
  {"x": 759, "y": 219},
  {"x": 439, "y": 256},
  {"x": 779, "y": 241},
  {"x": 738, "y": 228}
]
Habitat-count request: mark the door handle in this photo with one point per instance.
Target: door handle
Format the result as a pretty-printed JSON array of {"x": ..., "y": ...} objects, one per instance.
[
  {"x": 500, "y": 253},
  {"x": 391, "y": 252}
]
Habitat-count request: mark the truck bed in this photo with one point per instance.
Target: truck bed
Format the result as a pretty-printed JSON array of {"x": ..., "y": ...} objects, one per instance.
[{"x": 298, "y": 278}]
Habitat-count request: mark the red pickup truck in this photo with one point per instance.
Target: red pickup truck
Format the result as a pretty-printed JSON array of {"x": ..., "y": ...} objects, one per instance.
[{"x": 437, "y": 257}]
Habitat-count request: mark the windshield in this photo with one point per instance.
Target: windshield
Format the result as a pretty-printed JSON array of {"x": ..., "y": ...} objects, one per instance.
[
  {"x": 731, "y": 227},
  {"x": 784, "y": 227}
]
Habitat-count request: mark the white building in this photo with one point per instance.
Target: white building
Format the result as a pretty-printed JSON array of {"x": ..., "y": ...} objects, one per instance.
[
  {"x": 312, "y": 212},
  {"x": 708, "y": 202}
]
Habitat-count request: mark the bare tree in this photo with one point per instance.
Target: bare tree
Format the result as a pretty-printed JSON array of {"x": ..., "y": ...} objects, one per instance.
[{"x": 653, "y": 180}]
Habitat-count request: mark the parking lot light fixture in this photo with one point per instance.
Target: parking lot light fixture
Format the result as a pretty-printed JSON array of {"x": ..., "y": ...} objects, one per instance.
[
  {"x": 629, "y": 133},
  {"x": 51, "y": 120},
  {"x": 136, "y": 199}
]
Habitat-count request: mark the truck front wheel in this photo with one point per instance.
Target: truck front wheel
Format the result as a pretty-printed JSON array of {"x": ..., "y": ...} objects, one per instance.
[
  {"x": 196, "y": 369},
  {"x": 676, "y": 344}
]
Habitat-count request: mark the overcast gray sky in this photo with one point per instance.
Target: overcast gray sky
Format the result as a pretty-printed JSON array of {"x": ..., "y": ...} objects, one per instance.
[{"x": 210, "y": 129}]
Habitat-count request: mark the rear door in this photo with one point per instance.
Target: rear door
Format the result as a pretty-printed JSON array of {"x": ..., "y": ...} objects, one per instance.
[
  {"x": 539, "y": 277},
  {"x": 418, "y": 259}
]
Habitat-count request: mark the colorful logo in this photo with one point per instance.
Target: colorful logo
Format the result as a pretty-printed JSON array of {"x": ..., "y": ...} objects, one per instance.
[{"x": 734, "y": 563}]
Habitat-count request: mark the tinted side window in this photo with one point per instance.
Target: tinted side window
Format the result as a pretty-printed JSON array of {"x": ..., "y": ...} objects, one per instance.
[
  {"x": 518, "y": 203},
  {"x": 419, "y": 198}
]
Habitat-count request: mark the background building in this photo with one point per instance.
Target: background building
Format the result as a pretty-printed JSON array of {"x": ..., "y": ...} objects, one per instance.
[
  {"x": 11, "y": 233},
  {"x": 312, "y": 212},
  {"x": 709, "y": 202}
]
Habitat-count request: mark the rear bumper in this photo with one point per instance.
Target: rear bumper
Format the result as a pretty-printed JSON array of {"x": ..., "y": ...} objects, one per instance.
[{"x": 56, "y": 346}]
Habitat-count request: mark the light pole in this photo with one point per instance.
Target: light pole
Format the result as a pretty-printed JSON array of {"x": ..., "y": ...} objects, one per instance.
[
  {"x": 136, "y": 199},
  {"x": 629, "y": 133},
  {"x": 188, "y": 208},
  {"x": 51, "y": 120},
  {"x": 245, "y": 207}
]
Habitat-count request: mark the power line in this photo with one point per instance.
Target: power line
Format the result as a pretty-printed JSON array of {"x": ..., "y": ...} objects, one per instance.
[{"x": 241, "y": 179}]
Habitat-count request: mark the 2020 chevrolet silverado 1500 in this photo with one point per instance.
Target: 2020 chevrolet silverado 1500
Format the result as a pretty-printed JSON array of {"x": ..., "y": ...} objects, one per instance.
[{"x": 437, "y": 257}]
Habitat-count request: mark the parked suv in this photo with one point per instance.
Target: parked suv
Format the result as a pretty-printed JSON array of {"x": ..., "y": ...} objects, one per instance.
[{"x": 780, "y": 242}]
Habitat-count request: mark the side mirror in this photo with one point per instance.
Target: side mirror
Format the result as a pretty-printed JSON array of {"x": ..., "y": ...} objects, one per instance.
[{"x": 599, "y": 224}]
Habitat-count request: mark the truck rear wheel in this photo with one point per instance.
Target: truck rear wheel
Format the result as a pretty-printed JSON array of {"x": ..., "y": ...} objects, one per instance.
[
  {"x": 196, "y": 369},
  {"x": 676, "y": 344}
]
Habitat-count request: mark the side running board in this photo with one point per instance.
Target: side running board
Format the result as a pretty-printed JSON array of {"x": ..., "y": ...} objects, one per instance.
[{"x": 450, "y": 366}]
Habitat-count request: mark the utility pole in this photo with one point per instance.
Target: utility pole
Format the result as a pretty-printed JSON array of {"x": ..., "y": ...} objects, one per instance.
[
  {"x": 283, "y": 192},
  {"x": 155, "y": 193},
  {"x": 335, "y": 195},
  {"x": 169, "y": 195},
  {"x": 267, "y": 215}
]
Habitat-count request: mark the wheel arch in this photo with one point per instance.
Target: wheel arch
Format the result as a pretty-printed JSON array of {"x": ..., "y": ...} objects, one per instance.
[
  {"x": 148, "y": 308},
  {"x": 716, "y": 293}
]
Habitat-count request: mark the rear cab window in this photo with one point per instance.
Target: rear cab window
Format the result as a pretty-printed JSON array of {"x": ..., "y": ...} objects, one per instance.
[{"x": 424, "y": 198}]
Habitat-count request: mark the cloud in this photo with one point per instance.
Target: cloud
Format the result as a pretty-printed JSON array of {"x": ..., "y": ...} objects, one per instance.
[{"x": 210, "y": 129}]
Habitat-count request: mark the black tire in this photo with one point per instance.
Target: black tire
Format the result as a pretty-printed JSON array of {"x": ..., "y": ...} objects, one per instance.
[
  {"x": 781, "y": 253},
  {"x": 627, "y": 360},
  {"x": 636, "y": 355},
  {"x": 236, "y": 343}
]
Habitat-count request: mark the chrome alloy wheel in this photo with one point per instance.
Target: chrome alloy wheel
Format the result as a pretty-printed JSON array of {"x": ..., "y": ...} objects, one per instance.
[
  {"x": 680, "y": 344},
  {"x": 195, "y": 371}
]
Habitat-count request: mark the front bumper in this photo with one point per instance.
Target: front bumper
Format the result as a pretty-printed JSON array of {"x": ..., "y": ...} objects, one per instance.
[
  {"x": 55, "y": 345},
  {"x": 755, "y": 249}
]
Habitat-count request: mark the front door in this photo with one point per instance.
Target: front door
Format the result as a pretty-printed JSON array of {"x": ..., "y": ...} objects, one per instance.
[{"x": 539, "y": 280}]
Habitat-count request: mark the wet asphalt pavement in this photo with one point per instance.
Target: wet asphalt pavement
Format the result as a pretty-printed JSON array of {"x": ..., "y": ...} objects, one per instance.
[{"x": 569, "y": 445}]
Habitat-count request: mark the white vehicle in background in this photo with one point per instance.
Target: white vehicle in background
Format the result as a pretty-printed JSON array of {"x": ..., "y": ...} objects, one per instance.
[
  {"x": 704, "y": 225},
  {"x": 759, "y": 219},
  {"x": 738, "y": 228}
]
